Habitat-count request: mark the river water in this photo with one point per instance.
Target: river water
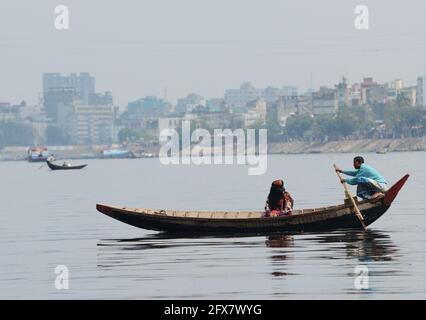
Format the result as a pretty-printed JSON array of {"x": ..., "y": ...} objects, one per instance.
[{"x": 48, "y": 218}]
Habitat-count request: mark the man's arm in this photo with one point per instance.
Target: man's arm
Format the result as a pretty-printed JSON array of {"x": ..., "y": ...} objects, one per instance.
[
  {"x": 351, "y": 173},
  {"x": 352, "y": 181}
]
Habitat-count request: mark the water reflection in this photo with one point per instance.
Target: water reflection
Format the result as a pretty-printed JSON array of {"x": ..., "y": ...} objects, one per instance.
[
  {"x": 365, "y": 246},
  {"x": 369, "y": 245},
  {"x": 280, "y": 241},
  {"x": 280, "y": 257}
]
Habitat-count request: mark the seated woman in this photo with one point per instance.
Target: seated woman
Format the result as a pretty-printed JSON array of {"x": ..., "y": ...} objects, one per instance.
[{"x": 279, "y": 201}]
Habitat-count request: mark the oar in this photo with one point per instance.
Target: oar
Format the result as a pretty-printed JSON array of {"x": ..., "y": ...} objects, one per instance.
[{"x": 348, "y": 195}]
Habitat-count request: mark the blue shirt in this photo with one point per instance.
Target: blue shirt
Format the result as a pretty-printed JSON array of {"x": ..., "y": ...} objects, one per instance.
[{"x": 364, "y": 171}]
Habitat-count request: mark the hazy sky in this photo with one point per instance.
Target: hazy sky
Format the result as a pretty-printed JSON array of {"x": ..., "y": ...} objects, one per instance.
[{"x": 136, "y": 48}]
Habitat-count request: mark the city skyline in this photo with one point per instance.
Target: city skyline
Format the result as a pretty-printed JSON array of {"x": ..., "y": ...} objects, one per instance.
[
  {"x": 221, "y": 95},
  {"x": 74, "y": 112}
]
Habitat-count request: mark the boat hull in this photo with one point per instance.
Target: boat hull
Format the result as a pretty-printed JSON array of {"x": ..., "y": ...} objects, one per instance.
[
  {"x": 337, "y": 218},
  {"x": 319, "y": 219},
  {"x": 56, "y": 167}
]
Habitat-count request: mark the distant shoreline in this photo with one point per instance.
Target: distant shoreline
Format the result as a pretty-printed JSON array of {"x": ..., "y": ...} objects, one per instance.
[
  {"x": 349, "y": 146},
  {"x": 300, "y": 147}
]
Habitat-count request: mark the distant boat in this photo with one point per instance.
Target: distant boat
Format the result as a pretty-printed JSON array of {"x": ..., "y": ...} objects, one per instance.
[
  {"x": 382, "y": 151},
  {"x": 65, "y": 166},
  {"x": 38, "y": 154},
  {"x": 117, "y": 154},
  {"x": 147, "y": 155}
]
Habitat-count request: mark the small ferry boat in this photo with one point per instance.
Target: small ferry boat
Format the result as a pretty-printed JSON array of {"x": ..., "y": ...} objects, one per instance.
[
  {"x": 231, "y": 222},
  {"x": 38, "y": 154}
]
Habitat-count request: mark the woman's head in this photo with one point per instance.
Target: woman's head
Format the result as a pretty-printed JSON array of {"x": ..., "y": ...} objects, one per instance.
[{"x": 278, "y": 183}]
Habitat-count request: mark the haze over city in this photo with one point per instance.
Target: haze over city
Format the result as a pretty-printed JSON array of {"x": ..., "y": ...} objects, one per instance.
[{"x": 139, "y": 48}]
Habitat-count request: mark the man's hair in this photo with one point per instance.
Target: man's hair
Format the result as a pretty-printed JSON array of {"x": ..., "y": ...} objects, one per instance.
[{"x": 359, "y": 158}]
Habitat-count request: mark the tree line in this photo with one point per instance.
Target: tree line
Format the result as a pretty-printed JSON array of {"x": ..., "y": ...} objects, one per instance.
[{"x": 383, "y": 121}]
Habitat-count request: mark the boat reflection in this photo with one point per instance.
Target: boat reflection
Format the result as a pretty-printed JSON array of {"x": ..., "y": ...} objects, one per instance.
[
  {"x": 369, "y": 245},
  {"x": 280, "y": 257},
  {"x": 365, "y": 246},
  {"x": 280, "y": 241}
]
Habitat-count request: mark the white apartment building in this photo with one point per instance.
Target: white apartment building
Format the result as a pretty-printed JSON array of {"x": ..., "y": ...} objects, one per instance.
[{"x": 92, "y": 124}]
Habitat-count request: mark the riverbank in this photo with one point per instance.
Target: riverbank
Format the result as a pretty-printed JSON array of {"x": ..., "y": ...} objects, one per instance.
[
  {"x": 349, "y": 146},
  {"x": 295, "y": 147}
]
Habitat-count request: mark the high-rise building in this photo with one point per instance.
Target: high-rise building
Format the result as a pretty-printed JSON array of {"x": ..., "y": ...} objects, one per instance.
[
  {"x": 71, "y": 103},
  {"x": 64, "y": 91},
  {"x": 83, "y": 84},
  {"x": 56, "y": 99}
]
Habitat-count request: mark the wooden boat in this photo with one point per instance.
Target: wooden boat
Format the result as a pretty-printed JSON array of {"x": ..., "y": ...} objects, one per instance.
[
  {"x": 319, "y": 219},
  {"x": 62, "y": 167}
]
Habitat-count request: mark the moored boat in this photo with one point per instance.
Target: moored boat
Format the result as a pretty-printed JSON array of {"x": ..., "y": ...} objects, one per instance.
[
  {"x": 64, "y": 167},
  {"x": 317, "y": 219},
  {"x": 38, "y": 154},
  {"x": 117, "y": 154},
  {"x": 382, "y": 151}
]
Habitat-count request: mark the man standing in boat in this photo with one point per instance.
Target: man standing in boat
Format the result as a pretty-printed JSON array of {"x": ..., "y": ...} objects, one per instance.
[{"x": 370, "y": 183}]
